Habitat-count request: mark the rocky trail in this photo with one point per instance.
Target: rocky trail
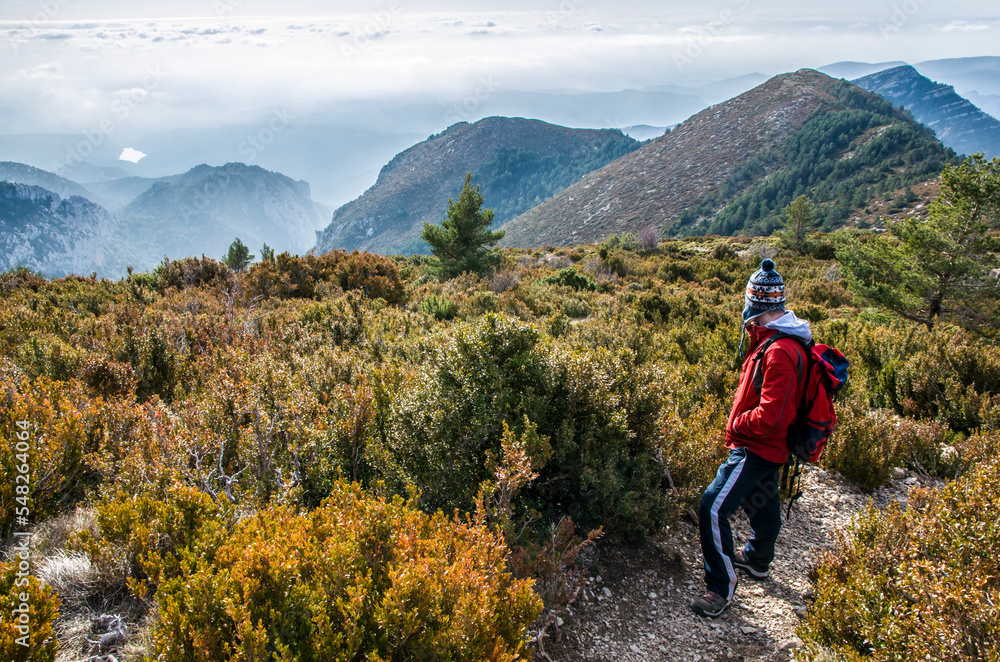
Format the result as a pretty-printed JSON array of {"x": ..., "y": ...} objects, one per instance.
[{"x": 636, "y": 605}]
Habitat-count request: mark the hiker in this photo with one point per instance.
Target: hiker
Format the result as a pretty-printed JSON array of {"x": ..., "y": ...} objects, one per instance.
[{"x": 766, "y": 404}]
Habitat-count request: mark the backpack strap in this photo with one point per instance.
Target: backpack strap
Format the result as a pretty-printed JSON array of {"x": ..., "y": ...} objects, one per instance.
[
  {"x": 806, "y": 348},
  {"x": 793, "y": 466}
]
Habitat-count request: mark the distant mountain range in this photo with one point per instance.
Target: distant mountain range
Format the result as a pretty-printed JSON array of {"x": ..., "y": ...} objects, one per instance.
[
  {"x": 341, "y": 150},
  {"x": 518, "y": 162},
  {"x": 204, "y": 209},
  {"x": 956, "y": 121},
  {"x": 53, "y": 225},
  {"x": 728, "y": 168},
  {"x": 734, "y": 166}
]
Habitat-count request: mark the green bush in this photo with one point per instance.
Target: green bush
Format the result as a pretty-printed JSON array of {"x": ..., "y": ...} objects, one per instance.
[
  {"x": 865, "y": 446},
  {"x": 439, "y": 307},
  {"x": 590, "y": 405},
  {"x": 672, "y": 271},
  {"x": 944, "y": 375},
  {"x": 142, "y": 539},
  {"x": 569, "y": 277},
  {"x": 824, "y": 251},
  {"x": 914, "y": 584},
  {"x": 358, "y": 578}
]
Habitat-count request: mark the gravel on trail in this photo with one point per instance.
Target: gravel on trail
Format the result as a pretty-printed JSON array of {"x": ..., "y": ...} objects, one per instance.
[{"x": 636, "y": 604}]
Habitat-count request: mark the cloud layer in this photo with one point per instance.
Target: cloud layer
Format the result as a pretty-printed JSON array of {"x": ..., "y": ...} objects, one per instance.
[{"x": 66, "y": 69}]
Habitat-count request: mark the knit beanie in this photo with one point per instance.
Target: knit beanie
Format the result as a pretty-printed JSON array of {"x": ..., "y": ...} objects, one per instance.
[{"x": 765, "y": 291}]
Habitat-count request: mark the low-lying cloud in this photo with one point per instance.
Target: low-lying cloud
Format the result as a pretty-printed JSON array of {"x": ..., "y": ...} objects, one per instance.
[{"x": 67, "y": 76}]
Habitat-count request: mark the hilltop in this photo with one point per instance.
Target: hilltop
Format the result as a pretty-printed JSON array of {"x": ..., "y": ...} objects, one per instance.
[
  {"x": 956, "y": 121},
  {"x": 518, "y": 163},
  {"x": 734, "y": 166},
  {"x": 202, "y": 211}
]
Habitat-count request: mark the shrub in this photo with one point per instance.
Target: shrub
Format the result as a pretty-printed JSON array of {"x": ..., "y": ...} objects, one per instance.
[
  {"x": 191, "y": 272},
  {"x": 823, "y": 293},
  {"x": 569, "y": 277},
  {"x": 62, "y": 427},
  {"x": 594, "y": 406},
  {"x": 649, "y": 238},
  {"x": 19, "y": 277},
  {"x": 691, "y": 449},
  {"x": 41, "y": 613},
  {"x": 439, "y": 307},
  {"x": 47, "y": 354},
  {"x": 504, "y": 281},
  {"x": 865, "y": 446},
  {"x": 358, "y": 578},
  {"x": 311, "y": 276},
  {"x": 824, "y": 251},
  {"x": 142, "y": 539},
  {"x": 914, "y": 584},
  {"x": 576, "y": 308},
  {"x": 812, "y": 313},
  {"x": 374, "y": 275},
  {"x": 481, "y": 303},
  {"x": 627, "y": 242},
  {"x": 945, "y": 375},
  {"x": 676, "y": 270},
  {"x": 661, "y": 308}
]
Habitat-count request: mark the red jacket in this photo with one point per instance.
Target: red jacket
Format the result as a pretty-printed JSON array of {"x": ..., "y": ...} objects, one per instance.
[{"x": 768, "y": 396}]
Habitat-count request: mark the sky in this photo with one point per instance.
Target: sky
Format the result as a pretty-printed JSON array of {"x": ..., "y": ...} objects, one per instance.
[{"x": 77, "y": 65}]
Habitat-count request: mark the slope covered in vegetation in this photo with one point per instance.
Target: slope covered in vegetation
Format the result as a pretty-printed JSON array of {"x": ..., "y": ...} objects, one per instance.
[
  {"x": 321, "y": 410},
  {"x": 733, "y": 167}
]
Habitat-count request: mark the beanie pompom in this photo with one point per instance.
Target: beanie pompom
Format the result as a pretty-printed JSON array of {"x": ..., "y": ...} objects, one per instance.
[{"x": 767, "y": 265}]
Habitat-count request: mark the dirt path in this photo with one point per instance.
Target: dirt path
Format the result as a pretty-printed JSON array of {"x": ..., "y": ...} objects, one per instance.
[{"x": 638, "y": 607}]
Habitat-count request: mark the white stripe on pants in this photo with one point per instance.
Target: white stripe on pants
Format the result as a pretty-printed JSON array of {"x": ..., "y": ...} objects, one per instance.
[{"x": 716, "y": 533}]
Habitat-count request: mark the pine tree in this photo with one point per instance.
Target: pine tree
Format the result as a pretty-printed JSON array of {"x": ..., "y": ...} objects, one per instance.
[
  {"x": 938, "y": 268},
  {"x": 462, "y": 242},
  {"x": 798, "y": 222},
  {"x": 238, "y": 257}
]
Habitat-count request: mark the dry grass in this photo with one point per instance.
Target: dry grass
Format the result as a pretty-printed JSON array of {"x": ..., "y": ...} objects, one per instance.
[{"x": 87, "y": 592}]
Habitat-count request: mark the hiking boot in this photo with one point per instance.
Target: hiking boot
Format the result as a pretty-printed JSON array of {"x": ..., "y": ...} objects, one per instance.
[
  {"x": 710, "y": 605},
  {"x": 741, "y": 561}
]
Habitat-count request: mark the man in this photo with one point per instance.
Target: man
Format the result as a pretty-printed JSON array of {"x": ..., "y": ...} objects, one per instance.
[{"x": 766, "y": 403}]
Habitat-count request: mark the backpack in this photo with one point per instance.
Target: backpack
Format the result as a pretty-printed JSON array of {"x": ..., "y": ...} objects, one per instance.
[{"x": 826, "y": 375}]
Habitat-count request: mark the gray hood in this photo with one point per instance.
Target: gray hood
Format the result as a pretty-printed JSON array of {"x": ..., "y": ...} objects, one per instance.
[{"x": 792, "y": 325}]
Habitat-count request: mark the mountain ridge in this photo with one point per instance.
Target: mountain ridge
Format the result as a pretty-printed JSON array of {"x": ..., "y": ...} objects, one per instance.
[
  {"x": 685, "y": 181},
  {"x": 20, "y": 173},
  {"x": 513, "y": 158},
  {"x": 956, "y": 121}
]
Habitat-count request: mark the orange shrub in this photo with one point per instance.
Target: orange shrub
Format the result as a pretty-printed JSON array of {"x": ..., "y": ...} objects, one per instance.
[
  {"x": 61, "y": 424},
  {"x": 309, "y": 276},
  {"x": 358, "y": 578},
  {"x": 42, "y": 611},
  {"x": 190, "y": 272}
]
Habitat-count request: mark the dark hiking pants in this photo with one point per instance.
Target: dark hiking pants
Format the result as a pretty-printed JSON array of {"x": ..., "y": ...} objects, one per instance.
[{"x": 746, "y": 480}]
